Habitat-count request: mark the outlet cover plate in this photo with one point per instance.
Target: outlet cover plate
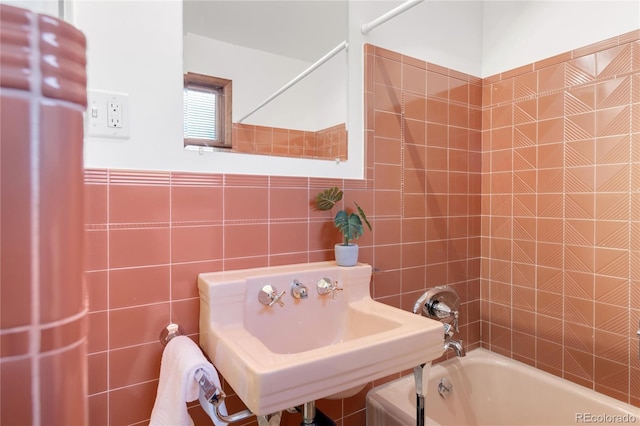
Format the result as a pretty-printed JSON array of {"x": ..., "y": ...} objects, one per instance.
[{"x": 97, "y": 115}]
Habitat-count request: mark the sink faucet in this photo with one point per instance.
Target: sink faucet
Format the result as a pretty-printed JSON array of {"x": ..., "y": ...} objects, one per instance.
[
  {"x": 299, "y": 290},
  {"x": 449, "y": 343}
]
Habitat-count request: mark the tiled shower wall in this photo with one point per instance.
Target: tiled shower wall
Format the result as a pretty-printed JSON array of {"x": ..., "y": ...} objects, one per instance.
[
  {"x": 423, "y": 142},
  {"x": 150, "y": 233},
  {"x": 561, "y": 215}
]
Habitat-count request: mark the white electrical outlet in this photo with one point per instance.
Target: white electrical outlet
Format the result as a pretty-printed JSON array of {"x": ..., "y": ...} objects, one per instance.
[
  {"x": 114, "y": 114},
  {"x": 107, "y": 115}
]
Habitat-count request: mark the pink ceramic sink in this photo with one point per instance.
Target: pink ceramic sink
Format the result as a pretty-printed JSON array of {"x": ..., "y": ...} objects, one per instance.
[{"x": 277, "y": 357}]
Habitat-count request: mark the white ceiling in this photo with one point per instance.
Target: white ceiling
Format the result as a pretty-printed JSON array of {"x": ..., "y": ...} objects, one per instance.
[{"x": 300, "y": 29}]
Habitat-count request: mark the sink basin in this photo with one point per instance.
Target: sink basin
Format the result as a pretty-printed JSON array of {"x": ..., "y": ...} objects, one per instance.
[{"x": 277, "y": 357}]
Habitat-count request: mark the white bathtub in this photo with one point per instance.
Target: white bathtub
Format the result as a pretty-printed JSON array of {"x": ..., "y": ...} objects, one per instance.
[{"x": 489, "y": 389}]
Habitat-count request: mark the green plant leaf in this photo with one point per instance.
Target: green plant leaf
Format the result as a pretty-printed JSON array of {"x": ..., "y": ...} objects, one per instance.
[
  {"x": 349, "y": 224},
  {"x": 328, "y": 198},
  {"x": 363, "y": 216}
]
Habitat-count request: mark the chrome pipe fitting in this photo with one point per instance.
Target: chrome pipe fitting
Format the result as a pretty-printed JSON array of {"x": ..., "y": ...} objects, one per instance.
[{"x": 309, "y": 413}]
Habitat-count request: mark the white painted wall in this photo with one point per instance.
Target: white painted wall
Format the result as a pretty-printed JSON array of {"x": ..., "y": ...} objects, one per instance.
[
  {"x": 135, "y": 47},
  {"x": 517, "y": 33},
  {"x": 483, "y": 38},
  {"x": 316, "y": 102},
  {"x": 447, "y": 33}
]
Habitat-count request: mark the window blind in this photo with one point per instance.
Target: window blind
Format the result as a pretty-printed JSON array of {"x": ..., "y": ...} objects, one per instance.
[{"x": 201, "y": 117}]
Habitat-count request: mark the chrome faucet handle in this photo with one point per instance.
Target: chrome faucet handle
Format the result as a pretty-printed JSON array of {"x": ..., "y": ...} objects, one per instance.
[
  {"x": 278, "y": 299},
  {"x": 269, "y": 296},
  {"x": 442, "y": 310},
  {"x": 325, "y": 286}
]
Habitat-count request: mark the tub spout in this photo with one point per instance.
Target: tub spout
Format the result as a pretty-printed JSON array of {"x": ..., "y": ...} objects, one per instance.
[
  {"x": 450, "y": 343},
  {"x": 456, "y": 346}
]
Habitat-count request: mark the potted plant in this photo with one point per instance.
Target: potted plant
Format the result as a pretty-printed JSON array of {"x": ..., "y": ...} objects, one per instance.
[{"x": 350, "y": 224}]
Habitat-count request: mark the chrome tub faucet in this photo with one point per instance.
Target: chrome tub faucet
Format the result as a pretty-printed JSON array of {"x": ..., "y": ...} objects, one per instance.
[
  {"x": 441, "y": 303},
  {"x": 450, "y": 343}
]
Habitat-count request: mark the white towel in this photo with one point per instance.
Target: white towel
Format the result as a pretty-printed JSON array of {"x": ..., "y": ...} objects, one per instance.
[{"x": 180, "y": 361}]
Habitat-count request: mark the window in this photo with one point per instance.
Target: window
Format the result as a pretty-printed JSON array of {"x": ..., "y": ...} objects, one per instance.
[{"x": 207, "y": 111}]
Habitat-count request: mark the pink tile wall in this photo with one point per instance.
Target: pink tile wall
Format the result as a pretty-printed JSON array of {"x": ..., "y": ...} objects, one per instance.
[
  {"x": 332, "y": 142},
  {"x": 539, "y": 147},
  {"x": 560, "y": 219},
  {"x": 150, "y": 234},
  {"x": 423, "y": 148},
  {"x": 329, "y": 143}
]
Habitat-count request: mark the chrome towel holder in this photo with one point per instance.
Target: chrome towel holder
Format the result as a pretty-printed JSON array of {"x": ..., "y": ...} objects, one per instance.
[{"x": 214, "y": 395}]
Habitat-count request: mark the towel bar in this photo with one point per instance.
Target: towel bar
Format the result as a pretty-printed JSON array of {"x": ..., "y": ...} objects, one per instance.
[{"x": 214, "y": 395}]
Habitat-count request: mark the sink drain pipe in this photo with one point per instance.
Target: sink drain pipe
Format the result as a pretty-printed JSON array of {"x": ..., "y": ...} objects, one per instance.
[
  {"x": 308, "y": 413},
  {"x": 417, "y": 375},
  {"x": 311, "y": 416}
]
